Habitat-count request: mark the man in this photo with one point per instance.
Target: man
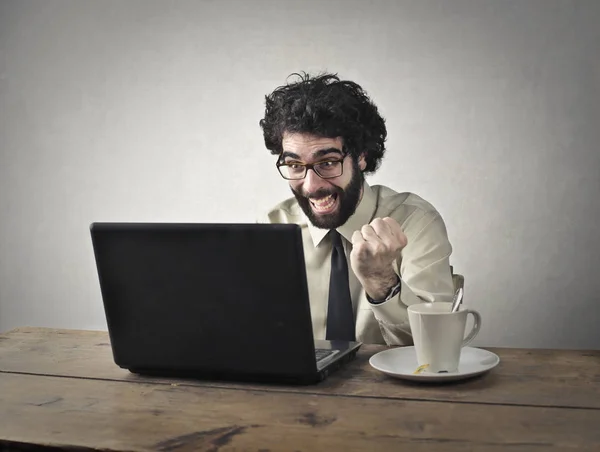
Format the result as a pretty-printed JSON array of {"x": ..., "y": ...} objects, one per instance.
[{"x": 327, "y": 135}]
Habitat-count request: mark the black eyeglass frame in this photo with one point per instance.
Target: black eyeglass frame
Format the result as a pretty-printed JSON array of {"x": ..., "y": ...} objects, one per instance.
[{"x": 312, "y": 166}]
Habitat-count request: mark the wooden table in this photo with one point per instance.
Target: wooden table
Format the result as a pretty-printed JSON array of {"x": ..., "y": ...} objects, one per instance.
[{"x": 60, "y": 390}]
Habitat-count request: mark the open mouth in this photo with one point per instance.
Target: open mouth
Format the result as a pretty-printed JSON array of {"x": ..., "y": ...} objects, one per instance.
[{"x": 324, "y": 205}]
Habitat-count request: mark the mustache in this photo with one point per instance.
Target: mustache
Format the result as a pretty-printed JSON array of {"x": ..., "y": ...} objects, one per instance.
[{"x": 321, "y": 193}]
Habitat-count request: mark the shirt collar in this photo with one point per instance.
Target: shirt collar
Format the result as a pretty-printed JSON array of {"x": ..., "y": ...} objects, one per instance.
[{"x": 363, "y": 215}]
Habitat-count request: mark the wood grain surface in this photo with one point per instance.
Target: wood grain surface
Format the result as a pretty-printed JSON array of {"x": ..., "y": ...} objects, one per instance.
[
  {"x": 86, "y": 414},
  {"x": 550, "y": 378}
]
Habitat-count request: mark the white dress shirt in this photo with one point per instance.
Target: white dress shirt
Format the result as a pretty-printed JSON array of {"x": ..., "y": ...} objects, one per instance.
[{"x": 423, "y": 265}]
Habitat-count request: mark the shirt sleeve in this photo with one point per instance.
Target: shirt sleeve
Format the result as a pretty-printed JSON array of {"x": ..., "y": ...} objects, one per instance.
[{"x": 424, "y": 269}]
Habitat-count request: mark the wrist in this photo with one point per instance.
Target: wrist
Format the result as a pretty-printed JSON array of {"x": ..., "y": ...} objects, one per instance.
[{"x": 383, "y": 290}]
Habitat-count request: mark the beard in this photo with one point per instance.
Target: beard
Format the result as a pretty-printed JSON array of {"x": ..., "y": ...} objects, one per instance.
[{"x": 347, "y": 200}]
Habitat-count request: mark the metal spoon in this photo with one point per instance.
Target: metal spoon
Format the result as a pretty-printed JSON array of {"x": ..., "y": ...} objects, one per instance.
[{"x": 457, "y": 300}]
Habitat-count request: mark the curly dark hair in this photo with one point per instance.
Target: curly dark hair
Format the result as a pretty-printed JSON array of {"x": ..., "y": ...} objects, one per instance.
[{"x": 326, "y": 106}]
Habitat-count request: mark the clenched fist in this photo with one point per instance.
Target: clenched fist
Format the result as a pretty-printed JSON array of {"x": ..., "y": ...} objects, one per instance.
[{"x": 374, "y": 248}]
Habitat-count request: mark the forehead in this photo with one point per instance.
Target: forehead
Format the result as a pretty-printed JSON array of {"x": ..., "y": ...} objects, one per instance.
[{"x": 306, "y": 146}]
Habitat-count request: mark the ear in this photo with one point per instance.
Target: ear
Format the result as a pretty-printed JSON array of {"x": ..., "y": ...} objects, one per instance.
[{"x": 362, "y": 163}]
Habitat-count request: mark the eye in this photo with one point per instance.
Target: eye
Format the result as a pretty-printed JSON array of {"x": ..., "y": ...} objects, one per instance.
[{"x": 328, "y": 163}]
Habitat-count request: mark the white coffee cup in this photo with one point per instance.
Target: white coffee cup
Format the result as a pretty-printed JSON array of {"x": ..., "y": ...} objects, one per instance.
[{"x": 439, "y": 334}]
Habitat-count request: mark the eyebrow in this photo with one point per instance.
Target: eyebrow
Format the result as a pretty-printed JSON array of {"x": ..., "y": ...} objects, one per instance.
[{"x": 319, "y": 153}]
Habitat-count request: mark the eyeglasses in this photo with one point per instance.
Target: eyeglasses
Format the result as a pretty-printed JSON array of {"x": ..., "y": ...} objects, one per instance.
[{"x": 325, "y": 169}]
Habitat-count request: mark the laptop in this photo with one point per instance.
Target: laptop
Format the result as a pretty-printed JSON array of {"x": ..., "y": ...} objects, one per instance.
[{"x": 211, "y": 301}]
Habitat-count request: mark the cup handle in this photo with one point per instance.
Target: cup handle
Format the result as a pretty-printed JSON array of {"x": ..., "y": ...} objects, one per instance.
[{"x": 475, "y": 329}]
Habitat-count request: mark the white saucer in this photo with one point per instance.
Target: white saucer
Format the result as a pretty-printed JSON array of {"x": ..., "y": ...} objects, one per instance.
[{"x": 401, "y": 362}]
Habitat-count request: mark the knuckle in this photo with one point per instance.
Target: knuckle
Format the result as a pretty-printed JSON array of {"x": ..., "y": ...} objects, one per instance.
[
  {"x": 379, "y": 248},
  {"x": 392, "y": 224},
  {"x": 403, "y": 240},
  {"x": 358, "y": 249},
  {"x": 365, "y": 251}
]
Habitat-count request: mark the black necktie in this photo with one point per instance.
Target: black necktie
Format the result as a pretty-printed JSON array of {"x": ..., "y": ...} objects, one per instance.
[{"x": 340, "y": 315}]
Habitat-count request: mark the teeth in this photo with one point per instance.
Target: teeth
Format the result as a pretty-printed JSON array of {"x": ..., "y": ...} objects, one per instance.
[{"x": 323, "y": 203}]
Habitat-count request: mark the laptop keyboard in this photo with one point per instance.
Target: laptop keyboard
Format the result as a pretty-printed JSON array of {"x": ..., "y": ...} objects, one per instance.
[{"x": 322, "y": 353}]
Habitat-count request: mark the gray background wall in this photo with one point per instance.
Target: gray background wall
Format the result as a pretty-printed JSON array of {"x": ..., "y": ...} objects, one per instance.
[{"x": 144, "y": 110}]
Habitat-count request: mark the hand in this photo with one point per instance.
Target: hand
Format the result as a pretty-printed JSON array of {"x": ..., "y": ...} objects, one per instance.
[{"x": 374, "y": 248}]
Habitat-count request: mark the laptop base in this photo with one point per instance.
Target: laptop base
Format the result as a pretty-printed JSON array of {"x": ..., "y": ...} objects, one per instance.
[{"x": 216, "y": 376}]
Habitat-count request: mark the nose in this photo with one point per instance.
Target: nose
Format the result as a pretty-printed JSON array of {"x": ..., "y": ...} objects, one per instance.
[{"x": 312, "y": 182}]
